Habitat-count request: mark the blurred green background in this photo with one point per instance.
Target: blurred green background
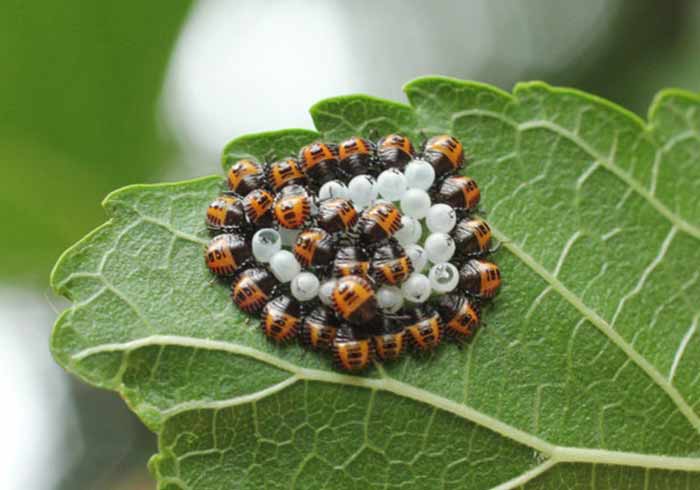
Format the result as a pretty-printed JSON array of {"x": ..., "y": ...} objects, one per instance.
[{"x": 98, "y": 95}]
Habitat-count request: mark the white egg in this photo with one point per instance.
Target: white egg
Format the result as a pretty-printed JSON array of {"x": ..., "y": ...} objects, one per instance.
[
  {"x": 440, "y": 247},
  {"x": 389, "y": 298},
  {"x": 305, "y": 286},
  {"x": 391, "y": 184},
  {"x": 443, "y": 277},
  {"x": 334, "y": 188},
  {"x": 441, "y": 218},
  {"x": 362, "y": 191},
  {"x": 419, "y": 175},
  {"x": 416, "y": 288},
  {"x": 417, "y": 255},
  {"x": 409, "y": 232},
  {"x": 284, "y": 266},
  {"x": 266, "y": 242},
  {"x": 325, "y": 292},
  {"x": 416, "y": 203}
]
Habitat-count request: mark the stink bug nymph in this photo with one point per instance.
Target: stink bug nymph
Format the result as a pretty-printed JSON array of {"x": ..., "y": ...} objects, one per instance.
[
  {"x": 460, "y": 317},
  {"x": 356, "y": 156},
  {"x": 390, "y": 264},
  {"x": 258, "y": 207},
  {"x": 389, "y": 339},
  {"x": 472, "y": 237},
  {"x": 379, "y": 222},
  {"x": 460, "y": 192},
  {"x": 319, "y": 328},
  {"x": 226, "y": 253},
  {"x": 352, "y": 351},
  {"x": 245, "y": 176},
  {"x": 351, "y": 261},
  {"x": 285, "y": 172},
  {"x": 281, "y": 319},
  {"x": 252, "y": 289},
  {"x": 292, "y": 207},
  {"x": 314, "y": 248},
  {"x": 354, "y": 300},
  {"x": 480, "y": 278},
  {"x": 424, "y": 329},
  {"x": 445, "y": 153},
  {"x": 337, "y": 215},
  {"x": 319, "y": 162},
  {"x": 226, "y": 214},
  {"x": 395, "y": 151}
]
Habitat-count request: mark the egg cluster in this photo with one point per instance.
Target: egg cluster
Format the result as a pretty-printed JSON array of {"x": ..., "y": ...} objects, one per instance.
[{"x": 361, "y": 249}]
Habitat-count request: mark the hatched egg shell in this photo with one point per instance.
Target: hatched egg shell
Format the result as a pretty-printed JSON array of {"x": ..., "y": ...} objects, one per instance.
[
  {"x": 409, "y": 232},
  {"x": 305, "y": 286},
  {"x": 416, "y": 288},
  {"x": 444, "y": 277},
  {"x": 389, "y": 298},
  {"x": 331, "y": 189},
  {"x": 417, "y": 255},
  {"x": 284, "y": 266},
  {"x": 265, "y": 243}
]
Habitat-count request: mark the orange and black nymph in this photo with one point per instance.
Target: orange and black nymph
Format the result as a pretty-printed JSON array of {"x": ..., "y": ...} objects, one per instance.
[
  {"x": 319, "y": 328},
  {"x": 480, "y": 278},
  {"x": 394, "y": 151},
  {"x": 292, "y": 207},
  {"x": 460, "y": 317},
  {"x": 389, "y": 339},
  {"x": 460, "y": 192},
  {"x": 351, "y": 260},
  {"x": 352, "y": 351},
  {"x": 424, "y": 329},
  {"x": 314, "y": 247},
  {"x": 319, "y": 162},
  {"x": 354, "y": 300},
  {"x": 356, "y": 156},
  {"x": 285, "y": 172},
  {"x": 445, "y": 153},
  {"x": 245, "y": 176},
  {"x": 226, "y": 213},
  {"x": 337, "y": 215},
  {"x": 379, "y": 222},
  {"x": 281, "y": 319},
  {"x": 390, "y": 264},
  {"x": 258, "y": 207},
  {"x": 252, "y": 289},
  {"x": 227, "y": 253},
  {"x": 472, "y": 237}
]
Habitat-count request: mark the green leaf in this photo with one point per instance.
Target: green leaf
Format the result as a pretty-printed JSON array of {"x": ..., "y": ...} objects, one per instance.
[{"x": 586, "y": 375}]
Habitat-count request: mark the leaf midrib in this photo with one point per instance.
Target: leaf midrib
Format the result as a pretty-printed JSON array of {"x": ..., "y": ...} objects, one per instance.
[{"x": 555, "y": 453}]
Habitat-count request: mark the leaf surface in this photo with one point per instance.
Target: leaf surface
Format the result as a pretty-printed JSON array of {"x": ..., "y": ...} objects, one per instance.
[{"x": 586, "y": 375}]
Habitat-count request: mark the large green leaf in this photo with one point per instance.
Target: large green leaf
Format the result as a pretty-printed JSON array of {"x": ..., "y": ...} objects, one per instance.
[{"x": 586, "y": 376}]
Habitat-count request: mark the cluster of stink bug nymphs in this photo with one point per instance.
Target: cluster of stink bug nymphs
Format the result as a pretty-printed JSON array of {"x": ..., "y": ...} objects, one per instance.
[{"x": 362, "y": 249}]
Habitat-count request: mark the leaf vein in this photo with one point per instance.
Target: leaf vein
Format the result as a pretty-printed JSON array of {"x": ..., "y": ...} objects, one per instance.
[
  {"x": 604, "y": 327},
  {"x": 555, "y": 453}
]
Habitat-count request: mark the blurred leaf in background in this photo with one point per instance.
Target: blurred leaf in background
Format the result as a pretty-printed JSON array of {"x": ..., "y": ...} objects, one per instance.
[
  {"x": 81, "y": 81},
  {"x": 78, "y": 91},
  {"x": 79, "y": 88}
]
